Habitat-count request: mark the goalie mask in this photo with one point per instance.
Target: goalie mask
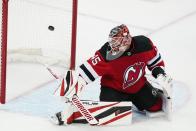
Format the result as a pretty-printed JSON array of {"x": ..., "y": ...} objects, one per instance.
[{"x": 119, "y": 41}]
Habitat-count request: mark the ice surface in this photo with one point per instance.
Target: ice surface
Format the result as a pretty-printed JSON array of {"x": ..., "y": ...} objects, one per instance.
[{"x": 171, "y": 26}]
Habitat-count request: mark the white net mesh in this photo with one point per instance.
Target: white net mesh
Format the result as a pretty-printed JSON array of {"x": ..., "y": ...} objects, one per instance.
[
  {"x": 40, "y": 32},
  {"x": 30, "y": 39}
]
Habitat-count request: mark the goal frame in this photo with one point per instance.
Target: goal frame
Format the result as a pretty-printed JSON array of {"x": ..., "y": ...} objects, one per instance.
[{"x": 4, "y": 33}]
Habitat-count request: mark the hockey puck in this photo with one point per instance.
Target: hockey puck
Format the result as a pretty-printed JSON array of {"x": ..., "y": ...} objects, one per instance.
[{"x": 51, "y": 28}]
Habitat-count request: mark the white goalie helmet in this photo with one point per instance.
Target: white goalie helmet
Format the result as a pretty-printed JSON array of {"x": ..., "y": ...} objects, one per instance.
[
  {"x": 119, "y": 41},
  {"x": 119, "y": 38}
]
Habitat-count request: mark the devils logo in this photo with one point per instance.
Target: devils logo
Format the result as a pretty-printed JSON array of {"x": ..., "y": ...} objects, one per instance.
[{"x": 132, "y": 74}]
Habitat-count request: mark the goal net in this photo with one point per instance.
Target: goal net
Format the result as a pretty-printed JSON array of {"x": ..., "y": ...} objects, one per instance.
[{"x": 35, "y": 32}]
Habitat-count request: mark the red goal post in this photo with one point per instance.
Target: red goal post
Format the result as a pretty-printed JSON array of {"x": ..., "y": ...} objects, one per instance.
[{"x": 39, "y": 32}]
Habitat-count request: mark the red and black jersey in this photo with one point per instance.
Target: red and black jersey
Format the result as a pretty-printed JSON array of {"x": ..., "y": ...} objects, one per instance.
[{"x": 126, "y": 73}]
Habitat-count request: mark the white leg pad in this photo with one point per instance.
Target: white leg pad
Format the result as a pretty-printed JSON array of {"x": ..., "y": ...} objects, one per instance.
[
  {"x": 167, "y": 106},
  {"x": 155, "y": 114}
]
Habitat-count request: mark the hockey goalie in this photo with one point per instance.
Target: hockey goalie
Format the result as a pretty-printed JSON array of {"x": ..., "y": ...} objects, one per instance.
[{"x": 121, "y": 63}]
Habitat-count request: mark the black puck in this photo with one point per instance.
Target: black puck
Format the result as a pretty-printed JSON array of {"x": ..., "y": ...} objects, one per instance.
[{"x": 51, "y": 28}]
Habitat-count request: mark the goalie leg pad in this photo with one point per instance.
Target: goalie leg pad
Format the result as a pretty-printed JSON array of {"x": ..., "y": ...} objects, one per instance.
[
  {"x": 103, "y": 113},
  {"x": 107, "y": 113},
  {"x": 167, "y": 106},
  {"x": 65, "y": 116},
  {"x": 166, "y": 109},
  {"x": 164, "y": 83}
]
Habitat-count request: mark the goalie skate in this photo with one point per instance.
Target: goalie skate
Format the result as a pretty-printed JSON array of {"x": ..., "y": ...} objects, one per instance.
[{"x": 57, "y": 119}]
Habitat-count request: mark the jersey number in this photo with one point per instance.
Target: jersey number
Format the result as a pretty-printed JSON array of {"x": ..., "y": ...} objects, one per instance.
[{"x": 95, "y": 59}]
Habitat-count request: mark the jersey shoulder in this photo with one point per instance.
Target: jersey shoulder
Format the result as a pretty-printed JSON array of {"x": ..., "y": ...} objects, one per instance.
[
  {"x": 142, "y": 43},
  {"x": 103, "y": 50}
]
